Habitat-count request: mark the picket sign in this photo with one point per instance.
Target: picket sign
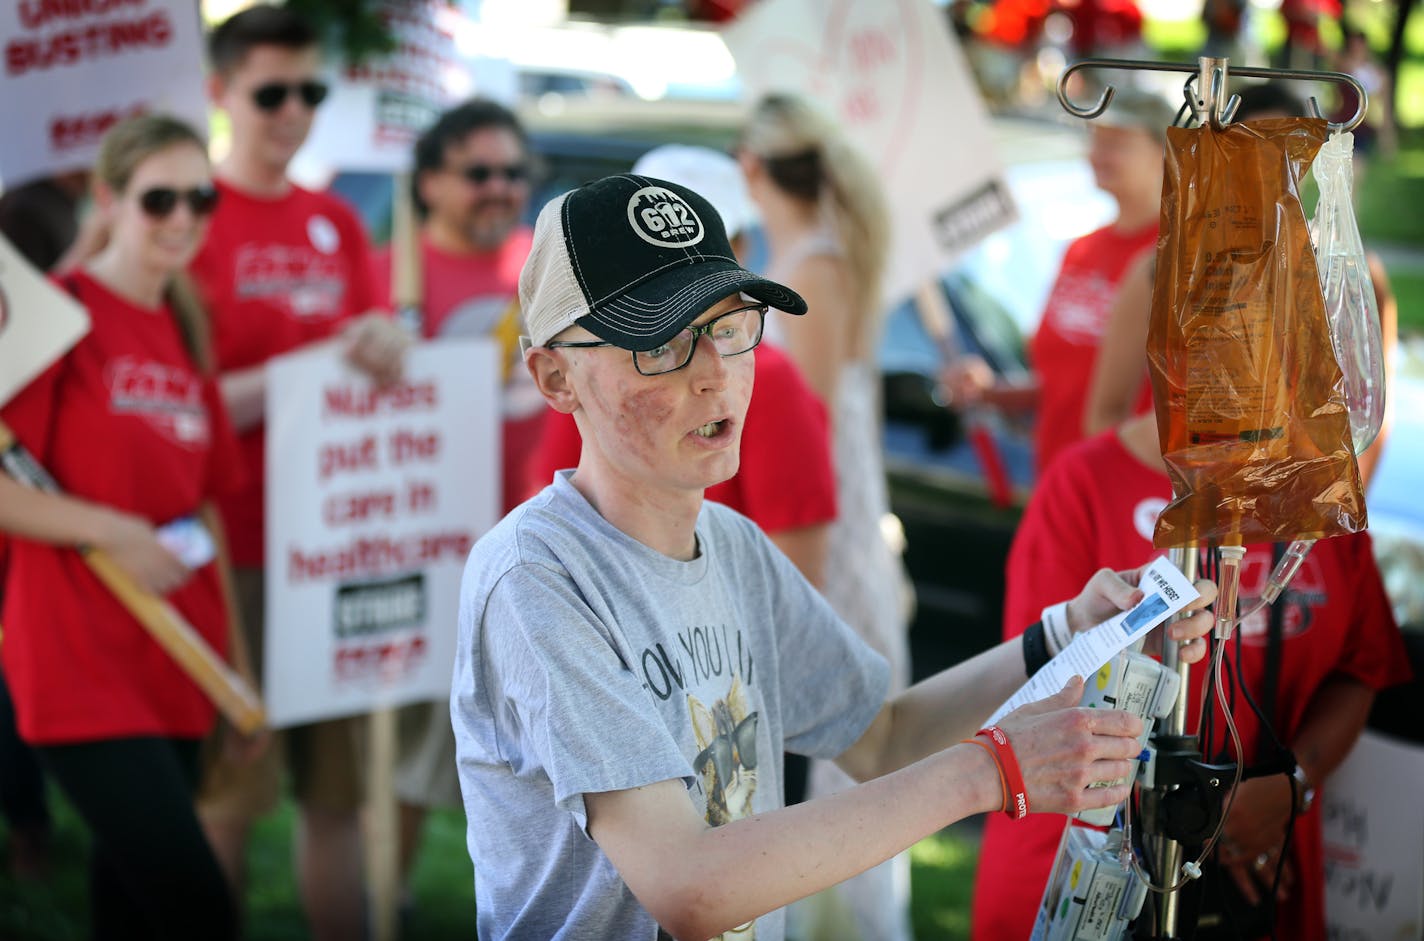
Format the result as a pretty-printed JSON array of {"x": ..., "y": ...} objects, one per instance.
[
  {"x": 1374, "y": 842},
  {"x": 893, "y": 77},
  {"x": 73, "y": 70}
]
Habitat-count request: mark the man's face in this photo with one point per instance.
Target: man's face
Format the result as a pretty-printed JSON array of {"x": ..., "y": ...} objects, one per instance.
[
  {"x": 269, "y": 135},
  {"x": 482, "y": 188},
  {"x": 1125, "y": 159},
  {"x": 681, "y": 430}
]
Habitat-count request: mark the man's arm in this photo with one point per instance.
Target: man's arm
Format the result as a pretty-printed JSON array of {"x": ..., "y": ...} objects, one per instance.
[
  {"x": 698, "y": 881},
  {"x": 953, "y": 704},
  {"x": 1261, "y": 807},
  {"x": 1121, "y": 361},
  {"x": 244, "y": 392},
  {"x": 806, "y": 547},
  {"x": 372, "y": 342}
]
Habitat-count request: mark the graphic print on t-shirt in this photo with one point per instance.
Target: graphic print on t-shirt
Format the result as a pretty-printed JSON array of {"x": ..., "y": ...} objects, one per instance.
[
  {"x": 703, "y": 661},
  {"x": 303, "y": 281},
  {"x": 168, "y": 398},
  {"x": 727, "y": 761},
  {"x": 1305, "y": 595},
  {"x": 1080, "y": 305},
  {"x": 727, "y": 754}
]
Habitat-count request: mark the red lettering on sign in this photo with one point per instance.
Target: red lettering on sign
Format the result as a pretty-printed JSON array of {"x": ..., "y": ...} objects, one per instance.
[
  {"x": 72, "y": 46},
  {"x": 67, "y": 131}
]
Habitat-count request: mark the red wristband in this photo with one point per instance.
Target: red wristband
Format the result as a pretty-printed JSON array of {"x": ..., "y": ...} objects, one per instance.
[
  {"x": 1016, "y": 802},
  {"x": 1003, "y": 785}
]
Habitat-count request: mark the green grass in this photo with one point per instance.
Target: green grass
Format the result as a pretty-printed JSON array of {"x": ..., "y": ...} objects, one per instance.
[
  {"x": 57, "y": 910},
  {"x": 1390, "y": 194},
  {"x": 1409, "y": 288},
  {"x": 942, "y": 882}
]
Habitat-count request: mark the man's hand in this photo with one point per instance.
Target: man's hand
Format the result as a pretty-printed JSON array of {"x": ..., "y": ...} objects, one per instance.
[
  {"x": 134, "y": 546},
  {"x": 1109, "y": 593},
  {"x": 241, "y": 750},
  {"x": 964, "y": 381},
  {"x": 1073, "y": 758},
  {"x": 1252, "y": 836},
  {"x": 376, "y": 345}
]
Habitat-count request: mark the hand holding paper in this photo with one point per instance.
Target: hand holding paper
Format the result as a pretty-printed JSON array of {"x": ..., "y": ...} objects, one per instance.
[{"x": 1163, "y": 591}]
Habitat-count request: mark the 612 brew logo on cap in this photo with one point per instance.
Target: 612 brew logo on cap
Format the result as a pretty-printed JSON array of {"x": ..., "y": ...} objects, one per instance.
[{"x": 663, "y": 218}]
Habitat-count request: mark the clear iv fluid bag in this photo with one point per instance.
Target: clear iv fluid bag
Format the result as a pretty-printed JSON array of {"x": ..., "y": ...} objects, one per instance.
[{"x": 1350, "y": 305}]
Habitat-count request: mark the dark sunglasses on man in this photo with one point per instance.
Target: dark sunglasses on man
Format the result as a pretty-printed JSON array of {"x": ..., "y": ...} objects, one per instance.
[
  {"x": 160, "y": 201},
  {"x": 482, "y": 173},
  {"x": 273, "y": 95}
]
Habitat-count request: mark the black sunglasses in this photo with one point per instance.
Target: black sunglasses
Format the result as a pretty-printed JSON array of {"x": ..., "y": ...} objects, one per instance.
[
  {"x": 273, "y": 95},
  {"x": 481, "y": 173},
  {"x": 160, "y": 201}
]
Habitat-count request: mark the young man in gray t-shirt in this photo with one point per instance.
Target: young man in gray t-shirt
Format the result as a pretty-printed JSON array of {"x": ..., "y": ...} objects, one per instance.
[{"x": 633, "y": 660}]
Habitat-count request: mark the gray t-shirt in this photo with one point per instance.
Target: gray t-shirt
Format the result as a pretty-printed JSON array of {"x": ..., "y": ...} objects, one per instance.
[{"x": 590, "y": 662}]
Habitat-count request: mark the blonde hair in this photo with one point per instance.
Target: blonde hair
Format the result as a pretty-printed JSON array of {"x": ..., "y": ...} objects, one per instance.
[
  {"x": 125, "y": 146},
  {"x": 808, "y": 158}
]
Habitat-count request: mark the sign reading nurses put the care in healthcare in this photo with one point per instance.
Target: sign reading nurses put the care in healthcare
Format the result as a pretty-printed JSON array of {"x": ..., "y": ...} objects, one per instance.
[
  {"x": 74, "y": 69},
  {"x": 374, "y": 498},
  {"x": 894, "y": 79}
]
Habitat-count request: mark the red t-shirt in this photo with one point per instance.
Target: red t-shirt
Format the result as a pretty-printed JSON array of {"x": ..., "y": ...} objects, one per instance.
[
  {"x": 1065, "y": 347},
  {"x": 124, "y": 420},
  {"x": 477, "y": 295},
  {"x": 1096, "y": 506},
  {"x": 276, "y": 274},
  {"x": 786, "y": 479}
]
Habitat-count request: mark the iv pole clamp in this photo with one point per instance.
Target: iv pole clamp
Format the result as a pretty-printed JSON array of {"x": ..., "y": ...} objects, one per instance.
[{"x": 1210, "y": 104}]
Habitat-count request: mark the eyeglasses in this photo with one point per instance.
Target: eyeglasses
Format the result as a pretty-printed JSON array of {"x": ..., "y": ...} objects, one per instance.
[
  {"x": 482, "y": 173},
  {"x": 160, "y": 201},
  {"x": 273, "y": 95},
  {"x": 735, "y": 332}
]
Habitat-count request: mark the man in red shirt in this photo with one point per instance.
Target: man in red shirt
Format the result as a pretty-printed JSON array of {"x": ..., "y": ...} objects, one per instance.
[
  {"x": 471, "y": 188},
  {"x": 282, "y": 268}
]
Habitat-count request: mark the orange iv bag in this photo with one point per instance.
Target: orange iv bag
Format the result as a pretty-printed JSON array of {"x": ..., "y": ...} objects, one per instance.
[{"x": 1251, "y": 408}]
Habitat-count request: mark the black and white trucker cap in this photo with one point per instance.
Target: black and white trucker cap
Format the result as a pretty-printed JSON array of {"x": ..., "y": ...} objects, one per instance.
[{"x": 633, "y": 260}]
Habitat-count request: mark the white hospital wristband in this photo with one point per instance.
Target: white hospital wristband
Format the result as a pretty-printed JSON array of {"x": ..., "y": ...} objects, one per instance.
[{"x": 1056, "y": 631}]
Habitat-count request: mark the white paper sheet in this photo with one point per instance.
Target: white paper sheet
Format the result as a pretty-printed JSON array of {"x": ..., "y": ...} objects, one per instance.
[{"x": 1167, "y": 591}]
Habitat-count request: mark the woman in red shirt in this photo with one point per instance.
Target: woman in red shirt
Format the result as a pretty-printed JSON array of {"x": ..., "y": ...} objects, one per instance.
[{"x": 130, "y": 424}]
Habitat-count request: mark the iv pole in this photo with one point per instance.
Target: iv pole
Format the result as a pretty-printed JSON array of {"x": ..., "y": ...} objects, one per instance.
[{"x": 1209, "y": 104}]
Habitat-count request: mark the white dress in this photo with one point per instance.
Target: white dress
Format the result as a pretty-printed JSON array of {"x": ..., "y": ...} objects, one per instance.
[{"x": 865, "y": 582}]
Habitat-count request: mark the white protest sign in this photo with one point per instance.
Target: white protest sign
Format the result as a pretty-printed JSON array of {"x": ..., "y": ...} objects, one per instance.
[
  {"x": 1373, "y": 825},
  {"x": 894, "y": 77},
  {"x": 38, "y": 322},
  {"x": 72, "y": 70},
  {"x": 374, "y": 497},
  {"x": 1165, "y": 592},
  {"x": 376, "y": 110}
]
